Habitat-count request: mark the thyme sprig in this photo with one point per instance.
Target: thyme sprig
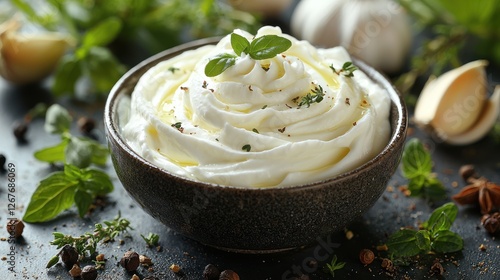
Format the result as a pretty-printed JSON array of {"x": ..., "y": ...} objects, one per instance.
[
  {"x": 347, "y": 69},
  {"x": 315, "y": 96},
  {"x": 334, "y": 265},
  {"x": 87, "y": 242}
]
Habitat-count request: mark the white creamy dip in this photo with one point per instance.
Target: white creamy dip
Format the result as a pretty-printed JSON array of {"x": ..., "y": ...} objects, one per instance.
[{"x": 245, "y": 127}]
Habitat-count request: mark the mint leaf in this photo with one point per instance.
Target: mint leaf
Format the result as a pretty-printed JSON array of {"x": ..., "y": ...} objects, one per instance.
[
  {"x": 219, "y": 64},
  {"x": 268, "y": 46},
  {"x": 416, "y": 160},
  {"x": 83, "y": 200},
  {"x": 53, "y": 195},
  {"x": 96, "y": 181},
  {"x": 104, "y": 69},
  {"x": 423, "y": 240},
  {"x": 404, "y": 243},
  {"x": 442, "y": 217},
  {"x": 446, "y": 241},
  {"x": 102, "y": 34},
  {"x": 78, "y": 152},
  {"x": 239, "y": 43},
  {"x": 73, "y": 172},
  {"x": 52, "y": 154},
  {"x": 66, "y": 75},
  {"x": 57, "y": 119}
]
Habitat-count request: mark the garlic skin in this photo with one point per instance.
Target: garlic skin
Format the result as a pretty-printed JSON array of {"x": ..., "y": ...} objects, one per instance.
[
  {"x": 454, "y": 107},
  {"x": 376, "y": 31},
  {"x": 28, "y": 58}
]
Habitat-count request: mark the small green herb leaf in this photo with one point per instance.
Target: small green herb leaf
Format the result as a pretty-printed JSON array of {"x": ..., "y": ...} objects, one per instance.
[
  {"x": 403, "y": 243},
  {"x": 423, "y": 240},
  {"x": 316, "y": 97},
  {"x": 52, "y": 154},
  {"x": 416, "y": 160},
  {"x": 57, "y": 119},
  {"x": 102, "y": 34},
  {"x": 347, "y": 69},
  {"x": 219, "y": 64},
  {"x": 446, "y": 241},
  {"x": 442, "y": 217},
  {"x": 246, "y": 147},
  {"x": 83, "y": 200},
  {"x": 61, "y": 189},
  {"x": 53, "y": 195},
  {"x": 417, "y": 168},
  {"x": 334, "y": 265},
  {"x": 239, "y": 43},
  {"x": 78, "y": 152},
  {"x": 268, "y": 46},
  {"x": 152, "y": 239}
]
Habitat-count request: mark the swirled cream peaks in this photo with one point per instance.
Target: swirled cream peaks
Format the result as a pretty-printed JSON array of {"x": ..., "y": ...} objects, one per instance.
[{"x": 288, "y": 120}]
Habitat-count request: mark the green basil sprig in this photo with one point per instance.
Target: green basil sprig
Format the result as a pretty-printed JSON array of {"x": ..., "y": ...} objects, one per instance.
[
  {"x": 61, "y": 189},
  {"x": 435, "y": 235},
  {"x": 264, "y": 47},
  {"x": 417, "y": 168}
]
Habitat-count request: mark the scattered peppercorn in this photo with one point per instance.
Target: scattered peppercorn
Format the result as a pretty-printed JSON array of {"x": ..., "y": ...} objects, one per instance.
[
  {"x": 130, "y": 261},
  {"x": 211, "y": 272},
  {"x": 89, "y": 273},
  {"x": 491, "y": 222},
  {"x": 20, "y": 129},
  {"x": 387, "y": 264},
  {"x": 437, "y": 267},
  {"x": 75, "y": 271},
  {"x": 135, "y": 277},
  {"x": 175, "y": 268},
  {"x": 467, "y": 171},
  {"x": 229, "y": 275},
  {"x": 69, "y": 255},
  {"x": 366, "y": 256},
  {"x": 100, "y": 258},
  {"x": 482, "y": 247},
  {"x": 145, "y": 261},
  {"x": 86, "y": 125},
  {"x": 3, "y": 160},
  {"x": 15, "y": 228}
]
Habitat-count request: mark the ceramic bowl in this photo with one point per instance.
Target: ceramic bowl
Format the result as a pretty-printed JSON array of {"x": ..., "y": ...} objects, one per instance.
[{"x": 249, "y": 219}]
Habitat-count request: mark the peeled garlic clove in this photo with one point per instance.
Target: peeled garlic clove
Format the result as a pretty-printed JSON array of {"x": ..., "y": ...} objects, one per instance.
[
  {"x": 454, "y": 104},
  {"x": 26, "y": 58},
  {"x": 484, "y": 123}
]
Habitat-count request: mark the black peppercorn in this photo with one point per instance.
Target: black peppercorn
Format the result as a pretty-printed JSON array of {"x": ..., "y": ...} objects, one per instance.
[
  {"x": 130, "y": 261},
  {"x": 86, "y": 125},
  {"x": 20, "y": 129},
  {"x": 467, "y": 171},
  {"x": 89, "y": 273},
  {"x": 15, "y": 228},
  {"x": 68, "y": 255},
  {"x": 229, "y": 275},
  {"x": 3, "y": 160},
  {"x": 211, "y": 272}
]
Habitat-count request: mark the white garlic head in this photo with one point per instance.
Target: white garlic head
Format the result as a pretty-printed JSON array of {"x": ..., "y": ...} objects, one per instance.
[{"x": 376, "y": 31}]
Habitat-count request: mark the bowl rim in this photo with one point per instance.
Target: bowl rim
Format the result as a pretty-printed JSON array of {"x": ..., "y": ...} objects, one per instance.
[{"x": 398, "y": 133}]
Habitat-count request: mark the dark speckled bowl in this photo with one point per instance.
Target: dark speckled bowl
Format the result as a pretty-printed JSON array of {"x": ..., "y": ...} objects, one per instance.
[{"x": 244, "y": 219}]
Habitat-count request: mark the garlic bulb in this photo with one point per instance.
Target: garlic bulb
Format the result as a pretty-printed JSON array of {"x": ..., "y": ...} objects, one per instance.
[
  {"x": 26, "y": 58},
  {"x": 454, "y": 107},
  {"x": 376, "y": 31}
]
